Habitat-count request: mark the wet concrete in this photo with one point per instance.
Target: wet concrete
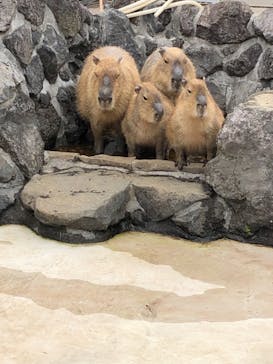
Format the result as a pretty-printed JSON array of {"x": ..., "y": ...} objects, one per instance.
[{"x": 138, "y": 298}]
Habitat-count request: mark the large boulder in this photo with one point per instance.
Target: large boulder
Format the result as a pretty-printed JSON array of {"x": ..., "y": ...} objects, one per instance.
[
  {"x": 7, "y": 11},
  {"x": 225, "y": 22},
  {"x": 242, "y": 171},
  {"x": 265, "y": 69},
  {"x": 263, "y": 25},
  {"x": 33, "y": 10},
  {"x": 68, "y": 14},
  {"x": 20, "y": 137},
  {"x": 20, "y": 43}
]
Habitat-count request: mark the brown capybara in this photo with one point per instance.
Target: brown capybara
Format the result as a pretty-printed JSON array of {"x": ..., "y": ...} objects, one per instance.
[
  {"x": 195, "y": 123},
  {"x": 144, "y": 122},
  {"x": 105, "y": 87},
  {"x": 168, "y": 68}
]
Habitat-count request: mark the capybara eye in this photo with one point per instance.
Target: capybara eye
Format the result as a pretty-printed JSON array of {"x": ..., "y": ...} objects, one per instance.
[
  {"x": 145, "y": 98},
  {"x": 95, "y": 73},
  {"x": 117, "y": 75},
  {"x": 189, "y": 91},
  {"x": 166, "y": 61}
]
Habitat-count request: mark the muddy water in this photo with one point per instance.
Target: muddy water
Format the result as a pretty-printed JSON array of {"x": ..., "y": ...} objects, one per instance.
[{"x": 138, "y": 298}]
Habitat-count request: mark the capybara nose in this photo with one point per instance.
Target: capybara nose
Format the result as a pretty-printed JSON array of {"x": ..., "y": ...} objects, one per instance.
[
  {"x": 201, "y": 100},
  {"x": 105, "y": 95},
  {"x": 177, "y": 76},
  {"x": 159, "y": 111}
]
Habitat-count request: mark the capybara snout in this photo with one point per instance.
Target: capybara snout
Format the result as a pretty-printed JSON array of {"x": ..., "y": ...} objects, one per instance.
[
  {"x": 158, "y": 108},
  {"x": 105, "y": 96}
]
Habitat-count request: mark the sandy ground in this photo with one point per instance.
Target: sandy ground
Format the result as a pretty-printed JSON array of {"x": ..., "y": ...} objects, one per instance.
[{"x": 138, "y": 298}]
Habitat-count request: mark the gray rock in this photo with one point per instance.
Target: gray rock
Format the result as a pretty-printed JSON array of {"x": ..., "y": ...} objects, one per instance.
[
  {"x": 265, "y": 69},
  {"x": 7, "y": 11},
  {"x": 33, "y": 10},
  {"x": 53, "y": 53},
  {"x": 68, "y": 14},
  {"x": 221, "y": 86},
  {"x": 206, "y": 57},
  {"x": 243, "y": 61},
  {"x": 12, "y": 83},
  {"x": 49, "y": 123},
  {"x": 184, "y": 19},
  {"x": 34, "y": 74},
  {"x": 161, "y": 198},
  {"x": 263, "y": 25},
  {"x": 117, "y": 30},
  {"x": 20, "y": 137},
  {"x": 85, "y": 201},
  {"x": 20, "y": 43},
  {"x": 157, "y": 25},
  {"x": 224, "y": 22},
  {"x": 242, "y": 171},
  {"x": 74, "y": 127},
  {"x": 11, "y": 181}
]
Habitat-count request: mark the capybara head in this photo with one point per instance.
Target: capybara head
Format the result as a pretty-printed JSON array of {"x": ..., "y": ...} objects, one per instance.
[
  {"x": 106, "y": 80},
  {"x": 196, "y": 95},
  {"x": 175, "y": 68},
  {"x": 148, "y": 103}
]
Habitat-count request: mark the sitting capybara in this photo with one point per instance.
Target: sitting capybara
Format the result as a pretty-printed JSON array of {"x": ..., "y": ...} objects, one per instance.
[
  {"x": 144, "y": 122},
  {"x": 168, "y": 68},
  {"x": 195, "y": 123},
  {"x": 105, "y": 87}
]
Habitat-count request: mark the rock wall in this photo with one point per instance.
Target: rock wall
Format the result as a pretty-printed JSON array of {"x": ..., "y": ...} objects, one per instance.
[{"x": 43, "y": 44}]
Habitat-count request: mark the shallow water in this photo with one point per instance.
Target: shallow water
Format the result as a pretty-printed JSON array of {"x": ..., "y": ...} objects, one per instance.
[{"x": 138, "y": 298}]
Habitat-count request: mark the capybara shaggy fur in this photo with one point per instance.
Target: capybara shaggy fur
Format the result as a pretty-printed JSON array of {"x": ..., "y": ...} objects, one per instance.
[
  {"x": 195, "y": 123},
  {"x": 144, "y": 122},
  {"x": 168, "y": 68},
  {"x": 105, "y": 87}
]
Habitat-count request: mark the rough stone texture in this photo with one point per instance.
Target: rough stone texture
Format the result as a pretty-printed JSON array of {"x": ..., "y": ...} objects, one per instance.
[
  {"x": 242, "y": 171},
  {"x": 224, "y": 22},
  {"x": 33, "y": 10},
  {"x": 11, "y": 180},
  {"x": 187, "y": 16},
  {"x": 243, "y": 61},
  {"x": 221, "y": 86},
  {"x": 263, "y": 25},
  {"x": 161, "y": 198},
  {"x": 157, "y": 25},
  {"x": 20, "y": 44},
  {"x": 34, "y": 74},
  {"x": 28, "y": 153},
  {"x": 96, "y": 203},
  {"x": 74, "y": 127},
  {"x": 12, "y": 82},
  {"x": 117, "y": 30},
  {"x": 149, "y": 165},
  {"x": 108, "y": 160},
  {"x": 206, "y": 58},
  {"x": 68, "y": 15},
  {"x": 53, "y": 53},
  {"x": 7, "y": 11},
  {"x": 265, "y": 69}
]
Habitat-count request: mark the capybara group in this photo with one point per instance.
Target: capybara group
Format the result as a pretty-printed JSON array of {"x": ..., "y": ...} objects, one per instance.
[
  {"x": 195, "y": 123},
  {"x": 104, "y": 90},
  {"x": 168, "y": 68},
  {"x": 144, "y": 122}
]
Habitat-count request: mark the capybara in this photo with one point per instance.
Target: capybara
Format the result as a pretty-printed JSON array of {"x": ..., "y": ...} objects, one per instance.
[
  {"x": 195, "y": 123},
  {"x": 168, "y": 68},
  {"x": 144, "y": 122},
  {"x": 105, "y": 87}
]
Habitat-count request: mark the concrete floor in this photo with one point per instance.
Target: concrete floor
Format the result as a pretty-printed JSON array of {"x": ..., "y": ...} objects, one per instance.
[{"x": 138, "y": 298}]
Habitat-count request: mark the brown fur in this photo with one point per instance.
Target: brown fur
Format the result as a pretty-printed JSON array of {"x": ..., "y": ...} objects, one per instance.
[
  {"x": 121, "y": 69},
  {"x": 187, "y": 132},
  {"x": 157, "y": 71},
  {"x": 140, "y": 126}
]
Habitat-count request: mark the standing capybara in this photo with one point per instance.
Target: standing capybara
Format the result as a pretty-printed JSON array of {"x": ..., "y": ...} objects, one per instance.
[
  {"x": 168, "y": 68},
  {"x": 144, "y": 122},
  {"x": 105, "y": 87},
  {"x": 195, "y": 123}
]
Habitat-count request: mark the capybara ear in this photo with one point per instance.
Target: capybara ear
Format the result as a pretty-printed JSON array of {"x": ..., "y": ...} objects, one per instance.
[
  {"x": 137, "y": 89},
  {"x": 162, "y": 51},
  {"x": 120, "y": 59},
  {"x": 96, "y": 59}
]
